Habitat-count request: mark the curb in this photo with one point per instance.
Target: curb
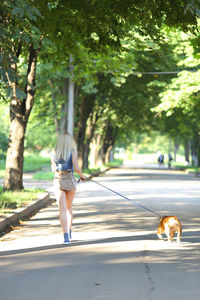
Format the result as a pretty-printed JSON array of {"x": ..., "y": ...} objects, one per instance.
[{"x": 25, "y": 212}]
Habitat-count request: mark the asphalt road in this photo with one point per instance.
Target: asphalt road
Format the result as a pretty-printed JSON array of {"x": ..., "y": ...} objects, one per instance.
[{"x": 115, "y": 253}]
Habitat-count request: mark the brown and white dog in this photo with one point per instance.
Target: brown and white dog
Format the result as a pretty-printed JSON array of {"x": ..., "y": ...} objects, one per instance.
[{"x": 169, "y": 225}]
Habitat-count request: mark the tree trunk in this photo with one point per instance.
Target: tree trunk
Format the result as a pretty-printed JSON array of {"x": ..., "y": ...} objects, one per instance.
[
  {"x": 61, "y": 117},
  {"x": 85, "y": 110},
  {"x": 108, "y": 140},
  {"x": 176, "y": 147},
  {"x": 19, "y": 115},
  {"x": 81, "y": 131},
  {"x": 196, "y": 150},
  {"x": 86, "y": 156},
  {"x": 95, "y": 147},
  {"x": 90, "y": 131},
  {"x": 56, "y": 121},
  {"x": 100, "y": 159},
  {"x": 107, "y": 155},
  {"x": 187, "y": 152},
  {"x": 14, "y": 158}
]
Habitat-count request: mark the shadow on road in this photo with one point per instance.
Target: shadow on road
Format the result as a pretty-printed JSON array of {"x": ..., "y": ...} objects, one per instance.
[{"x": 189, "y": 240}]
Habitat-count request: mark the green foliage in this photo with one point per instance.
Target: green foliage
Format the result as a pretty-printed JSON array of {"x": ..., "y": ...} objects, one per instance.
[
  {"x": 115, "y": 163},
  {"x": 111, "y": 52},
  {"x": 151, "y": 142},
  {"x": 40, "y": 133},
  {"x": 35, "y": 162},
  {"x": 32, "y": 162},
  {"x": 180, "y": 93},
  {"x": 4, "y": 126},
  {"x": 180, "y": 99},
  {"x": 43, "y": 176},
  {"x": 3, "y": 142},
  {"x": 17, "y": 27},
  {"x": 17, "y": 199}
]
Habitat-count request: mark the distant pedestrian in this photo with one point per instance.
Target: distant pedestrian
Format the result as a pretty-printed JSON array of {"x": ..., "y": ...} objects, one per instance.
[
  {"x": 169, "y": 160},
  {"x": 63, "y": 163},
  {"x": 160, "y": 160}
]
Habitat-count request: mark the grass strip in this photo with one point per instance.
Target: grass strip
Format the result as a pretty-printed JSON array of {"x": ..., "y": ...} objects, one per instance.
[
  {"x": 32, "y": 162},
  {"x": 41, "y": 175},
  {"x": 12, "y": 200},
  {"x": 35, "y": 162}
]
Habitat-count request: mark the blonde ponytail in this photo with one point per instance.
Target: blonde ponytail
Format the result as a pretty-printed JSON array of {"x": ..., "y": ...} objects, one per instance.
[{"x": 65, "y": 145}]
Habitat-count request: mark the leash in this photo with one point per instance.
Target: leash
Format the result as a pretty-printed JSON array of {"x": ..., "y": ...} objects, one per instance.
[{"x": 134, "y": 202}]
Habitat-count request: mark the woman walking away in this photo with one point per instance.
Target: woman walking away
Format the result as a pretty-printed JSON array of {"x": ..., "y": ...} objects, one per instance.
[{"x": 63, "y": 163}]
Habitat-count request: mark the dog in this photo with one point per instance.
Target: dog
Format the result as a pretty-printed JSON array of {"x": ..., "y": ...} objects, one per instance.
[{"x": 169, "y": 225}]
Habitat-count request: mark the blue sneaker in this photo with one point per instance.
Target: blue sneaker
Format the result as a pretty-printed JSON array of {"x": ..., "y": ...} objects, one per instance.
[{"x": 66, "y": 239}]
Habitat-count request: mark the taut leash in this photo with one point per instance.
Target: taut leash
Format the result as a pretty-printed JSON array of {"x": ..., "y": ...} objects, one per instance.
[{"x": 134, "y": 202}]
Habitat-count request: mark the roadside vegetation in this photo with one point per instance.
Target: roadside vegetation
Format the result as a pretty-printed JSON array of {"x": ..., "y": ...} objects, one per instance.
[
  {"x": 32, "y": 162},
  {"x": 13, "y": 200}
]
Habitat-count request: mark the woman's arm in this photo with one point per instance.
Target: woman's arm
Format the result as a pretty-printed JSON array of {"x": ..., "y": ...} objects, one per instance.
[{"x": 76, "y": 167}]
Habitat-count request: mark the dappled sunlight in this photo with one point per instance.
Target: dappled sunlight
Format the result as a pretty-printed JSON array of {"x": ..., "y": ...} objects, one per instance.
[
  {"x": 111, "y": 233},
  {"x": 106, "y": 248}
]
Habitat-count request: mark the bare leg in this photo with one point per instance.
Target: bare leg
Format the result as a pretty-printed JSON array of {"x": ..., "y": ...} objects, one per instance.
[
  {"x": 69, "y": 200},
  {"x": 65, "y": 200},
  {"x": 62, "y": 204}
]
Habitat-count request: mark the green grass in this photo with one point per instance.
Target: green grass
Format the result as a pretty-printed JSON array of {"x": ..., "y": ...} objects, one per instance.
[
  {"x": 17, "y": 199},
  {"x": 32, "y": 162},
  {"x": 115, "y": 163},
  {"x": 2, "y": 167},
  {"x": 35, "y": 162},
  {"x": 90, "y": 171},
  {"x": 189, "y": 168},
  {"x": 2, "y": 172},
  {"x": 195, "y": 169},
  {"x": 38, "y": 163},
  {"x": 41, "y": 175}
]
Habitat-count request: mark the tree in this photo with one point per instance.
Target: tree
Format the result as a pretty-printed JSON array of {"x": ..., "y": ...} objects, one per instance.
[
  {"x": 18, "y": 29},
  {"x": 20, "y": 23},
  {"x": 180, "y": 99},
  {"x": 110, "y": 89},
  {"x": 66, "y": 23}
]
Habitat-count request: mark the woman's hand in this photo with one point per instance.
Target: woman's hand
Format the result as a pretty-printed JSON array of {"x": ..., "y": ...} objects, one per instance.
[{"x": 83, "y": 177}]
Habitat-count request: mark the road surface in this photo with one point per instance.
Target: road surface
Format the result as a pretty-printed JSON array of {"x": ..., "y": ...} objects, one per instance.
[{"x": 115, "y": 253}]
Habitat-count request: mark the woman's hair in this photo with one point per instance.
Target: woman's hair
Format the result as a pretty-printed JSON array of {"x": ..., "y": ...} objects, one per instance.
[{"x": 64, "y": 146}]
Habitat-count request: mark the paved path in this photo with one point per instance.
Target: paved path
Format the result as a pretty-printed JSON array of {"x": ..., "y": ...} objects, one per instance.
[{"x": 115, "y": 253}]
